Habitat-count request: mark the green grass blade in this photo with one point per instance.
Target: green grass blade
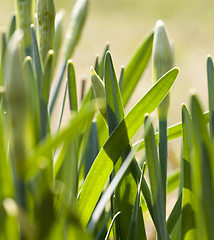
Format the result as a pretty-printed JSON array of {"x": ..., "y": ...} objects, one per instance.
[
  {"x": 115, "y": 114},
  {"x": 101, "y": 64},
  {"x": 203, "y": 171},
  {"x": 3, "y": 50},
  {"x": 174, "y": 215},
  {"x": 12, "y": 27},
  {"x": 118, "y": 141},
  {"x": 58, "y": 35},
  {"x": 33, "y": 95},
  {"x": 78, "y": 17},
  {"x": 173, "y": 180},
  {"x": 46, "y": 26},
  {"x": 92, "y": 149},
  {"x": 37, "y": 59},
  {"x": 188, "y": 224},
  {"x": 210, "y": 83},
  {"x": 174, "y": 132},
  {"x": 136, "y": 67},
  {"x": 24, "y": 20},
  {"x": 72, "y": 87},
  {"x": 133, "y": 228},
  {"x": 62, "y": 108},
  {"x": 156, "y": 183},
  {"x": 121, "y": 78},
  {"x": 105, "y": 197},
  {"x": 111, "y": 225},
  {"x": 76, "y": 126},
  {"x": 48, "y": 74}
]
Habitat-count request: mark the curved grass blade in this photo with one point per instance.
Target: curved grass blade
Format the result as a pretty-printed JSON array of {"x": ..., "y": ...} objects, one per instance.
[
  {"x": 136, "y": 67},
  {"x": 121, "y": 78},
  {"x": 117, "y": 143},
  {"x": 156, "y": 183},
  {"x": 188, "y": 224},
  {"x": 203, "y": 172},
  {"x": 111, "y": 225}
]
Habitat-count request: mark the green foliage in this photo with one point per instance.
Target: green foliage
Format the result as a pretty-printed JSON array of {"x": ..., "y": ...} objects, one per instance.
[{"x": 83, "y": 180}]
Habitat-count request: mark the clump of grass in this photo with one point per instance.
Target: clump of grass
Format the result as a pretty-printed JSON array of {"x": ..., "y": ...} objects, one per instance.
[{"x": 83, "y": 181}]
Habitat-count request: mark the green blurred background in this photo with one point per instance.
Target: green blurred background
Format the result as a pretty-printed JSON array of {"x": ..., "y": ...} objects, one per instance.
[{"x": 124, "y": 23}]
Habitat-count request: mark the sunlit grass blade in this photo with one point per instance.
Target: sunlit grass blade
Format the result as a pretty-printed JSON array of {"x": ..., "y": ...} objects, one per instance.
[
  {"x": 136, "y": 67},
  {"x": 156, "y": 183},
  {"x": 72, "y": 87},
  {"x": 102, "y": 61},
  {"x": 118, "y": 141},
  {"x": 115, "y": 113},
  {"x": 203, "y": 172},
  {"x": 133, "y": 228},
  {"x": 210, "y": 82},
  {"x": 33, "y": 95},
  {"x": 174, "y": 215},
  {"x": 111, "y": 225},
  {"x": 62, "y": 108},
  {"x": 121, "y": 78},
  {"x": 36, "y": 59},
  {"x": 105, "y": 197},
  {"x": 188, "y": 224},
  {"x": 58, "y": 35}
]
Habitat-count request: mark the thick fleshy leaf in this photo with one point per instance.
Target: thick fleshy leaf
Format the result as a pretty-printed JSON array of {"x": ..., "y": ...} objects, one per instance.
[{"x": 117, "y": 143}]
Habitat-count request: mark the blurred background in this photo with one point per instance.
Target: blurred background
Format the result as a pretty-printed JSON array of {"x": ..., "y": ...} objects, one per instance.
[{"x": 124, "y": 23}]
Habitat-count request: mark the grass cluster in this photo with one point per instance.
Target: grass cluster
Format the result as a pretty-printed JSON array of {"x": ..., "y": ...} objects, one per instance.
[{"x": 83, "y": 181}]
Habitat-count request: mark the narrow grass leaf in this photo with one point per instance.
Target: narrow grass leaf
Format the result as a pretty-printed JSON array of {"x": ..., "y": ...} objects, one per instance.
[
  {"x": 37, "y": 59},
  {"x": 105, "y": 197},
  {"x": 72, "y": 90},
  {"x": 188, "y": 223},
  {"x": 117, "y": 143},
  {"x": 111, "y": 225},
  {"x": 210, "y": 83},
  {"x": 12, "y": 27},
  {"x": 203, "y": 161},
  {"x": 62, "y": 108},
  {"x": 121, "y": 78},
  {"x": 156, "y": 183},
  {"x": 173, "y": 132},
  {"x": 115, "y": 114},
  {"x": 133, "y": 228},
  {"x": 102, "y": 61},
  {"x": 174, "y": 215},
  {"x": 136, "y": 67}
]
